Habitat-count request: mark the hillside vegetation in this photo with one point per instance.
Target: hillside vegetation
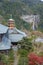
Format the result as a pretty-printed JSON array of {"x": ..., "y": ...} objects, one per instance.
[{"x": 21, "y": 7}]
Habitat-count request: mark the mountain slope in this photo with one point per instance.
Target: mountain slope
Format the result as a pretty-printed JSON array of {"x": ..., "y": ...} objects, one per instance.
[
  {"x": 16, "y": 9},
  {"x": 21, "y": 7}
]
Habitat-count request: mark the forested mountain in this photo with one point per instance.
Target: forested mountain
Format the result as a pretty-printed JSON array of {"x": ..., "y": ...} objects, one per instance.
[
  {"x": 19, "y": 7},
  {"x": 29, "y": 2}
]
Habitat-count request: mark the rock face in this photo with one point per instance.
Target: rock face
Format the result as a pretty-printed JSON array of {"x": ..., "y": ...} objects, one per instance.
[{"x": 32, "y": 19}]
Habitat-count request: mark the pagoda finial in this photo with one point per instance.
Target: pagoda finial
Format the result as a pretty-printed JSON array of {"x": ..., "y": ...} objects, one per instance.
[{"x": 11, "y": 22}]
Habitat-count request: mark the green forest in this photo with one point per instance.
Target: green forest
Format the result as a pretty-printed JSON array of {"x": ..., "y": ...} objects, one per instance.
[{"x": 18, "y": 8}]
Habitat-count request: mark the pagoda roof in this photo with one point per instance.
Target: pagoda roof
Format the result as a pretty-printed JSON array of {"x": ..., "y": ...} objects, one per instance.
[
  {"x": 16, "y": 35},
  {"x": 3, "y": 29},
  {"x": 5, "y": 44},
  {"x": 39, "y": 39}
]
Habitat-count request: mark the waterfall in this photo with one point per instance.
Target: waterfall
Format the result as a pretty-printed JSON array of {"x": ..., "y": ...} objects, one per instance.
[{"x": 33, "y": 26}]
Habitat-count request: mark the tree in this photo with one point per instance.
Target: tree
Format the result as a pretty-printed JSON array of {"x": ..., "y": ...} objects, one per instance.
[{"x": 26, "y": 44}]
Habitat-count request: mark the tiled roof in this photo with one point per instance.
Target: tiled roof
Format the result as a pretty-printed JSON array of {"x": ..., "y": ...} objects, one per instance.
[
  {"x": 16, "y": 31},
  {"x": 3, "y": 29},
  {"x": 16, "y": 35},
  {"x": 5, "y": 44},
  {"x": 39, "y": 40}
]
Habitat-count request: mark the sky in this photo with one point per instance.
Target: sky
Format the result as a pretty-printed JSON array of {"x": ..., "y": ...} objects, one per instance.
[{"x": 41, "y": 0}]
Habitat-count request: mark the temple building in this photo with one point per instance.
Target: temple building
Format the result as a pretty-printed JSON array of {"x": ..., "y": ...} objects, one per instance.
[
  {"x": 15, "y": 35},
  {"x": 9, "y": 35},
  {"x": 5, "y": 43}
]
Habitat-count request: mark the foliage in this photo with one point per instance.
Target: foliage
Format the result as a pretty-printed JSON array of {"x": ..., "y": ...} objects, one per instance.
[
  {"x": 23, "y": 61},
  {"x": 4, "y": 58},
  {"x": 41, "y": 54},
  {"x": 16, "y": 9},
  {"x": 35, "y": 59},
  {"x": 7, "y": 59},
  {"x": 27, "y": 44},
  {"x": 23, "y": 52},
  {"x": 11, "y": 56}
]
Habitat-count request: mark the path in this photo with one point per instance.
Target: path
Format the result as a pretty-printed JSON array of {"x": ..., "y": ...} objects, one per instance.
[
  {"x": 16, "y": 60},
  {"x": 16, "y": 57}
]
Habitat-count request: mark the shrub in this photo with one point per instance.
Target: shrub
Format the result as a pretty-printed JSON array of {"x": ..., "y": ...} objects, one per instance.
[
  {"x": 23, "y": 61},
  {"x": 41, "y": 54},
  {"x": 35, "y": 59},
  {"x": 4, "y": 58},
  {"x": 11, "y": 56},
  {"x": 23, "y": 52},
  {"x": 26, "y": 44}
]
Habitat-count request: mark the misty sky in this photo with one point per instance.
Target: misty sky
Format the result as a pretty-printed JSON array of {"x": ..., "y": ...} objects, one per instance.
[{"x": 41, "y": 0}]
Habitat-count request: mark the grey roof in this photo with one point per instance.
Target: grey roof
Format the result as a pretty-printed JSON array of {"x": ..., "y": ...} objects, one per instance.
[
  {"x": 16, "y": 35},
  {"x": 39, "y": 40},
  {"x": 3, "y": 29},
  {"x": 16, "y": 31},
  {"x": 5, "y": 44},
  {"x": 22, "y": 33}
]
